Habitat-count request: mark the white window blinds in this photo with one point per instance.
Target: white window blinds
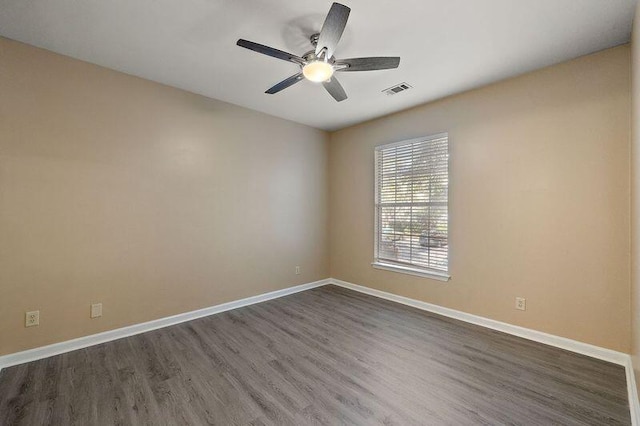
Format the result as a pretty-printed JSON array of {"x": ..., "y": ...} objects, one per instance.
[{"x": 412, "y": 191}]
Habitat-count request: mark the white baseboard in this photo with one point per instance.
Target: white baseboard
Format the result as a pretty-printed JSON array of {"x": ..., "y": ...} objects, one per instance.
[
  {"x": 593, "y": 351},
  {"x": 119, "y": 333},
  {"x": 632, "y": 390},
  {"x": 537, "y": 336}
]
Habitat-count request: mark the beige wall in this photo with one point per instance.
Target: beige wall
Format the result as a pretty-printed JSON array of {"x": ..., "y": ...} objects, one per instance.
[
  {"x": 151, "y": 200},
  {"x": 635, "y": 195},
  {"x": 155, "y": 201},
  {"x": 539, "y": 200}
]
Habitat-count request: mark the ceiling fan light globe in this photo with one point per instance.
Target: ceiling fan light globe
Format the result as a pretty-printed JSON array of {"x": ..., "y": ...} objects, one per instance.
[{"x": 317, "y": 71}]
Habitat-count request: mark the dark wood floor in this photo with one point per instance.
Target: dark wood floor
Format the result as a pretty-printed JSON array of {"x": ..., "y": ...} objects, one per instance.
[{"x": 323, "y": 356}]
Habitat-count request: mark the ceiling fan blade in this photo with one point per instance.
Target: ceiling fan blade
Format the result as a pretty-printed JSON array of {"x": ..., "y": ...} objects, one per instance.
[
  {"x": 368, "y": 64},
  {"x": 335, "y": 89},
  {"x": 332, "y": 29},
  {"x": 285, "y": 83},
  {"x": 270, "y": 51}
]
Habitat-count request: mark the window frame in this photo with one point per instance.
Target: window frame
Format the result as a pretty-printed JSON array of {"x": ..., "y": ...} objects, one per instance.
[{"x": 411, "y": 269}]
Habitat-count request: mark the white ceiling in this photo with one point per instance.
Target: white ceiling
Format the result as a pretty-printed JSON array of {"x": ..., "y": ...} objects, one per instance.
[{"x": 446, "y": 46}]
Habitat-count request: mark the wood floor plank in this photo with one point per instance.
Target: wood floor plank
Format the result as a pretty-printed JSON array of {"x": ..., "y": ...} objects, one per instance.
[{"x": 323, "y": 356}]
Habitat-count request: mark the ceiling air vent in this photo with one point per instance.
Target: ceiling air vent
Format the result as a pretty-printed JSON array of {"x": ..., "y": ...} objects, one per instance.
[{"x": 401, "y": 87}]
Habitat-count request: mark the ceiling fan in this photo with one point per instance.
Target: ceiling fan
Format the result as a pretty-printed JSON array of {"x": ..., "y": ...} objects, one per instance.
[{"x": 319, "y": 65}]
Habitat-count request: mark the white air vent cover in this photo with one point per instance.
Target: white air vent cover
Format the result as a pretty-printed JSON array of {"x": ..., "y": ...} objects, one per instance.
[{"x": 400, "y": 87}]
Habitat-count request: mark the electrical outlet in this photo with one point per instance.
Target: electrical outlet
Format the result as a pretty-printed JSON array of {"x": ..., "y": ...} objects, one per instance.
[
  {"x": 96, "y": 310},
  {"x": 32, "y": 318},
  {"x": 521, "y": 303},
  {"x": 297, "y": 270}
]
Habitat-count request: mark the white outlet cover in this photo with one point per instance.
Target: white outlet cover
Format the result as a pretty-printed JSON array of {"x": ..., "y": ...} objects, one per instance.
[
  {"x": 96, "y": 310},
  {"x": 32, "y": 318},
  {"x": 521, "y": 303}
]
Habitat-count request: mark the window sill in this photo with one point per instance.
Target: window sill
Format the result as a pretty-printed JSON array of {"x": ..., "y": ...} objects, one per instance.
[{"x": 411, "y": 271}]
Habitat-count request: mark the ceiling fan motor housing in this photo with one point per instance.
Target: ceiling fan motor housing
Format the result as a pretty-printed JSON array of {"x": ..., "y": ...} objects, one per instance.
[{"x": 314, "y": 39}]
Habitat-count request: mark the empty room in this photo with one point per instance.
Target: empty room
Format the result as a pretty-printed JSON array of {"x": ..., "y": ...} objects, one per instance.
[{"x": 218, "y": 212}]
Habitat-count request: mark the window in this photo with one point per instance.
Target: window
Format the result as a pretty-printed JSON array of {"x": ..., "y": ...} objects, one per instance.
[{"x": 411, "y": 208}]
